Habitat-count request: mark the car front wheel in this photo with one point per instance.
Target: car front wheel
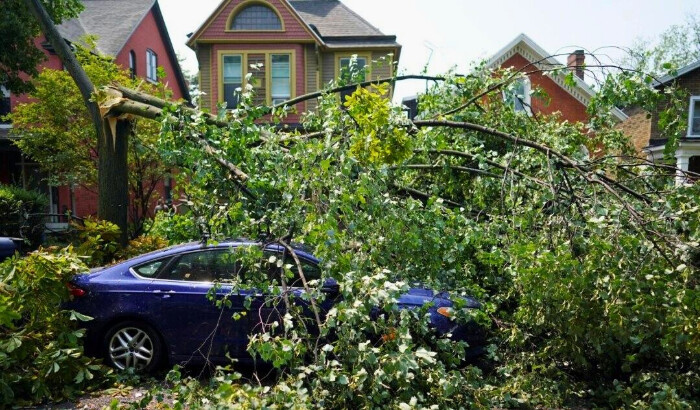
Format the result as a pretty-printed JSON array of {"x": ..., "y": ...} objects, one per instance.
[{"x": 133, "y": 345}]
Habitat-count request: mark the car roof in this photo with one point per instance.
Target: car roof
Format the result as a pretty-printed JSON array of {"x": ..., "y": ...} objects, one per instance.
[{"x": 300, "y": 250}]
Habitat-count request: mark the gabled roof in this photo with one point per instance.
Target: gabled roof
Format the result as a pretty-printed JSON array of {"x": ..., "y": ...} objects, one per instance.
[
  {"x": 330, "y": 22},
  {"x": 680, "y": 73},
  {"x": 114, "y": 22},
  {"x": 531, "y": 51}
]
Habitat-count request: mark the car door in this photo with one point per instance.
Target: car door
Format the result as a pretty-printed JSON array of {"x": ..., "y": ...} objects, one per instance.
[{"x": 194, "y": 325}]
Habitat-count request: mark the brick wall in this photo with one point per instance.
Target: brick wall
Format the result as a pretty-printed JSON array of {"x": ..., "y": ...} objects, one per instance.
[
  {"x": 637, "y": 127},
  {"x": 561, "y": 101}
]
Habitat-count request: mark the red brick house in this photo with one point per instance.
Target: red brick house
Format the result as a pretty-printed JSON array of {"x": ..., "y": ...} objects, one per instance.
[
  {"x": 134, "y": 33},
  {"x": 642, "y": 126},
  {"x": 571, "y": 101},
  {"x": 297, "y": 47},
  {"x": 524, "y": 54}
]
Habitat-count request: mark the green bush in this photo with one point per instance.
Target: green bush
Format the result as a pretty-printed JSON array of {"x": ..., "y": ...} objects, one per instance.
[
  {"x": 18, "y": 209},
  {"x": 97, "y": 241},
  {"x": 175, "y": 228},
  {"x": 41, "y": 356}
]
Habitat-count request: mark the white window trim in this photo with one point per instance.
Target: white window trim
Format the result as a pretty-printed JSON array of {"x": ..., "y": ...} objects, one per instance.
[
  {"x": 527, "y": 100},
  {"x": 694, "y": 99},
  {"x": 151, "y": 66}
]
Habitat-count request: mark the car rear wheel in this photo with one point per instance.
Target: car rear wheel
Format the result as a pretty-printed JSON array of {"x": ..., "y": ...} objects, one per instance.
[{"x": 133, "y": 345}]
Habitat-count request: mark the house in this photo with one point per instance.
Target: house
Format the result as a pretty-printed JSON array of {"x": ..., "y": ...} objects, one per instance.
[
  {"x": 134, "y": 33},
  {"x": 643, "y": 129},
  {"x": 289, "y": 48},
  {"x": 569, "y": 100}
]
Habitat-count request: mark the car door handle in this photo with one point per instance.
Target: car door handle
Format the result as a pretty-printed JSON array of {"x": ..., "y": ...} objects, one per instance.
[{"x": 163, "y": 291}]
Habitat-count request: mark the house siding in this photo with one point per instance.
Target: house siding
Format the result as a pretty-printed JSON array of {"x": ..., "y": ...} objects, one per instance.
[
  {"x": 204, "y": 58},
  {"x": 312, "y": 74},
  {"x": 147, "y": 36},
  {"x": 216, "y": 30},
  {"x": 691, "y": 84},
  {"x": 561, "y": 101}
]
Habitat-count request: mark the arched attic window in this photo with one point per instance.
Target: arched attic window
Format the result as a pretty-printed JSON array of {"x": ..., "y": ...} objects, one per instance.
[{"x": 256, "y": 17}]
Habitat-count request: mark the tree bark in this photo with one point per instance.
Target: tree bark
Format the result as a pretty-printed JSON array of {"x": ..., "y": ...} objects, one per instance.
[
  {"x": 112, "y": 172},
  {"x": 113, "y": 175}
]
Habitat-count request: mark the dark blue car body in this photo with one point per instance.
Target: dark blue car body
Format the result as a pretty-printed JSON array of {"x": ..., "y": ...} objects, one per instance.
[{"x": 186, "y": 326}]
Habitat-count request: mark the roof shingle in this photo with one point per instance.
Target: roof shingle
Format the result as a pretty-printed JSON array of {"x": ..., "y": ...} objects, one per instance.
[
  {"x": 111, "y": 21},
  {"x": 333, "y": 19}
]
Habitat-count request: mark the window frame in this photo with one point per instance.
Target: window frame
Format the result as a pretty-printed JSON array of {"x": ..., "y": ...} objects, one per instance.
[
  {"x": 132, "y": 63},
  {"x": 339, "y": 57},
  {"x": 151, "y": 66},
  {"x": 694, "y": 100},
  {"x": 526, "y": 101},
  {"x": 175, "y": 259},
  {"x": 244, "y": 5},
  {"x": 246, "y": 70},
  {"x": 273, "y": 98},
  {"x": 165, "y": 262},
  {"x": 222, "y": 87}
]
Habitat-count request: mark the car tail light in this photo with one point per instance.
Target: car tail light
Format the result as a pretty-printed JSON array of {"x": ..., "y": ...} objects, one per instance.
[{"x": 75, "y": 290}]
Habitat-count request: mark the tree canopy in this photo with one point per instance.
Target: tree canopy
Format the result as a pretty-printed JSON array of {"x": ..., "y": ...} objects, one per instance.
[{"x": 586, "y": 264}]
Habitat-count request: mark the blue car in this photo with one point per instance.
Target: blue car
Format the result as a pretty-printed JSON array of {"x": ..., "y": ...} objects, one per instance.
[{"x": 158, "y": 308}]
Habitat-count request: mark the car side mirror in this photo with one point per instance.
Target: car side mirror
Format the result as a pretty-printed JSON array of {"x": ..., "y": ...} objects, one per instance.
[{"x": 331, "y": 287}]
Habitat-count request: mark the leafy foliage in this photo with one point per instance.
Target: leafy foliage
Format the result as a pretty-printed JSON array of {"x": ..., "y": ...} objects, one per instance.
[
  {"x": 41, "y": 357},
  {"x": 583, "y": 261},
  {"x": 20, "y": 214}
]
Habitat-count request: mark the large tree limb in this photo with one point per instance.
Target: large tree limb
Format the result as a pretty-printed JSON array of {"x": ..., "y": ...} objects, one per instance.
[{"x": 121, "y": 106}]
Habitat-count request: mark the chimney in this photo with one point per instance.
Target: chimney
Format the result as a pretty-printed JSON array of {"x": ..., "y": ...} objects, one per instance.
[{"x": 576, "y": 61}]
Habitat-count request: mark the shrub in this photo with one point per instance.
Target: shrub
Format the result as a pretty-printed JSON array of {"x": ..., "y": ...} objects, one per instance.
[
  {"x": 41, "y": 357},
  {"x": 18, "y": 214},
  {"x": 97, "y": 241},
  {"x": 175, "y": 228}
]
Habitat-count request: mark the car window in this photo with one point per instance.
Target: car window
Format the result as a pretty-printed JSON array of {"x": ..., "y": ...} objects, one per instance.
[
  {"x": 149, "y": 269},
  {"x": 204, "y": 266},
  {"x": 310, "y": 269}
]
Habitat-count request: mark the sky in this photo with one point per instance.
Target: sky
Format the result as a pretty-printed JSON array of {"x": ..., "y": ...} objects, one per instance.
[{"x": 449, "y": 33}]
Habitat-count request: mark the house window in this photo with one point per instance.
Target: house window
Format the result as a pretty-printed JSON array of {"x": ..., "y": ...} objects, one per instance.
[
  {"x": 281, "y": 87},
  {"x": 5, "y": 106},
  {"x": 233, "y": 79},
  {"x": 151, "y": 66},
  {"x": 694, "y": 117},
  {"x": 132, "y": 64},
  {"x": 351, "y": 69},
  {"x": 518, "y": 95},
  {"x": 256, "y": 17}
]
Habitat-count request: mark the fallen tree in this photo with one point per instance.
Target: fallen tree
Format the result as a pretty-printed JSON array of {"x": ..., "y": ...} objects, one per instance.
[{"x": 586, "y": 265}]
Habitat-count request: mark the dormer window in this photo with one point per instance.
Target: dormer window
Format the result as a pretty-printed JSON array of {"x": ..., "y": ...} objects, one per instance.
[{"x": 256, "y": 17}]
